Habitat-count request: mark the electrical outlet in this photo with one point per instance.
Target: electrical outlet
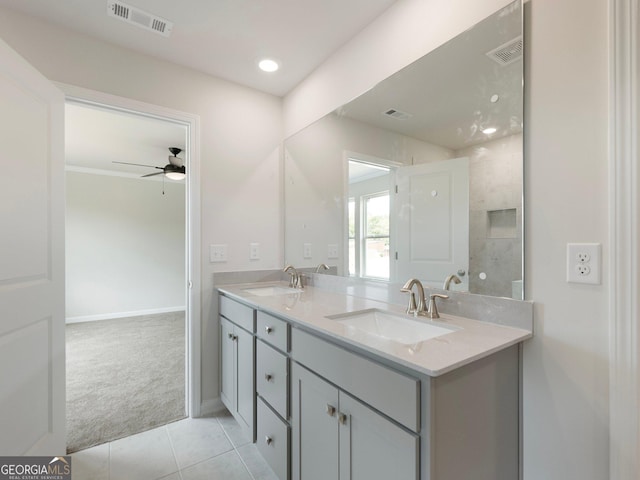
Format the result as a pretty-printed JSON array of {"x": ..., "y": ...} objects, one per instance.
[
  {"x": 332, "y": 251},
  {"x": 306, "y": 250},
  {"x": 583, "y": 263},
  {"x": 254, "y": 251},
  {"x": 217, "y": 253}
]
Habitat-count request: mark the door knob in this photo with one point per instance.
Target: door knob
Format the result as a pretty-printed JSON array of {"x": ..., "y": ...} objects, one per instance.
[
  {"x": 268, "y": 440},
  {"x": 268, "y": 377},
  {"x": 342, "y": 418},
  {"x": 268, "y": 329},
  {"x": 331, "y": 410}
]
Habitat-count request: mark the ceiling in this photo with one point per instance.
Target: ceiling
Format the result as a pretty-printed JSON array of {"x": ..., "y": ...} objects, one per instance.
[
  {"x": 224, "y": 38},
  {"x": 96, "y": 137}
]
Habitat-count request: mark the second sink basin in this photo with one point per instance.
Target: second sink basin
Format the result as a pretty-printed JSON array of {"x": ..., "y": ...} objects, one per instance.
[
  {"x": 391, "y": 326},
  {"x": 270, "y": 290}
]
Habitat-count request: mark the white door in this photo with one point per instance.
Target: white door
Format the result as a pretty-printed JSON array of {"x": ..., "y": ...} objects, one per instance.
[
  {"x": 432, "y": 222},
  {"x": 32, "y": 334}
]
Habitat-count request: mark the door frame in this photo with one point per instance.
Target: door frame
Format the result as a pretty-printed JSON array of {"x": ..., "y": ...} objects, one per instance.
[
  {"x": 85, "y": 96},
  {"x": 624, "y": 238}
]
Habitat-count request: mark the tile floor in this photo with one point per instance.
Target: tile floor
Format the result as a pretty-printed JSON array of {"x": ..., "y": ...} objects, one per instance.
[{"x": 190, "y": 449}]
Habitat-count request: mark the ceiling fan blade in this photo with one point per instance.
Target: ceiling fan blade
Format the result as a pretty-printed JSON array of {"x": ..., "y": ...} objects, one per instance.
[
  {"x": 138, "y": 164},
  {"x": 152, "y": 174}
]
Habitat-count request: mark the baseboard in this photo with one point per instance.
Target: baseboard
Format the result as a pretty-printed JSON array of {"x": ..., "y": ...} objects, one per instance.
[
  {"x": 211, "y": 407},
  {"x": 135, "y": 313}
]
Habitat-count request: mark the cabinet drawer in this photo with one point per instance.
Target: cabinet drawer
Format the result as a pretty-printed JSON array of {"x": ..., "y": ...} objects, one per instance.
[
  {"x": 273, "y": 440},
  {"x": 393, "y": 393},
  {"x": 237, "y": 312},
  {"x": 272, "y": 378},
  {"x": 273, "y": 331}
]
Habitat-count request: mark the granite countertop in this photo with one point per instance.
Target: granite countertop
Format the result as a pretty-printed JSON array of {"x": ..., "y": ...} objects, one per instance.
[{"x": 309, "y": 308}]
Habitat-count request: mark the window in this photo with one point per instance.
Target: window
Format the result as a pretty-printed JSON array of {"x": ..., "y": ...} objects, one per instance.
[
  {"x": 369, "y": 236},
  {"x": 375, "y": 256}
]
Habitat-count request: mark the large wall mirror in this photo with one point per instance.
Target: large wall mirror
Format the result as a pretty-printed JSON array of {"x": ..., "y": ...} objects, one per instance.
[{"x": 422, "y": 175}]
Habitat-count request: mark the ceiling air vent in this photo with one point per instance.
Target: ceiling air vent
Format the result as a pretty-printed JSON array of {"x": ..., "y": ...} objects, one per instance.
[
  {"x": 507, "y": 53},
  {"x": 397, "y": 114},
  {"x": 140, "y": 18}
]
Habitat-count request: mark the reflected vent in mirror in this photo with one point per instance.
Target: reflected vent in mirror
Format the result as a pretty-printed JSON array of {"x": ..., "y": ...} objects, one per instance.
[
  {"x": 507, "y": 53},
  {"x": 397, "y": 114},
  {"x": 139, "y": 18}
]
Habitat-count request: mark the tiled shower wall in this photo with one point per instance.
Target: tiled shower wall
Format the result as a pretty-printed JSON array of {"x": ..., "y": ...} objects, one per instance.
[{"x": 495, "y": 185}]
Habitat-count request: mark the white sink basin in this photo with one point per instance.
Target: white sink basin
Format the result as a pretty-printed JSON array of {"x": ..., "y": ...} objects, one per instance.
[
  {"x": 398, "y": 328},
  {"x": 270, "y": 290}
]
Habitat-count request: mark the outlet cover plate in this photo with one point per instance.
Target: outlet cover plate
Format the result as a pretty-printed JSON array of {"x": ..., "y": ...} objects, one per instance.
[
  {"x": 218, "y": 253},
  {"x": 584, "y": 263}
]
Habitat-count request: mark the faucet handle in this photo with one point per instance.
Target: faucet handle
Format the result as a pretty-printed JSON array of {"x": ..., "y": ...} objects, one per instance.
[
  {"x": 432, "y": 308},
  {"x": 412, "y": 308}
]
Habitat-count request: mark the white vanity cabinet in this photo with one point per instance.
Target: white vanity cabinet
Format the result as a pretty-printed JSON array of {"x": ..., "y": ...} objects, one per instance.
[
  {"x": 321, "y": 408},
  {"x": 237, "y": 346},
  {"x": 336, "y": 436},
  {"x": 272, "y": 387}
]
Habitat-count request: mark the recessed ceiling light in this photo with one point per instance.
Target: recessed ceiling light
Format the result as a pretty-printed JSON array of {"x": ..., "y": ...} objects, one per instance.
[
  {"x": 489, "y": 130},
  {"x": 268, "y": 65},
  {"x": 495, "y": 97}
]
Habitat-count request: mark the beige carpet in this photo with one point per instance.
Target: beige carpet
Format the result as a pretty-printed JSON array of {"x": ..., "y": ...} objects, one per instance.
[{"x": 124, "y": 376}]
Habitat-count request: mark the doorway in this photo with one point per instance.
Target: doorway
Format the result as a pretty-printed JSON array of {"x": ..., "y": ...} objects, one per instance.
[{"x": 159, "y": 237}]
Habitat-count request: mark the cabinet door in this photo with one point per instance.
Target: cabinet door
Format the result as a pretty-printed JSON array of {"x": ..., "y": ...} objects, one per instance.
[
  {"x": 315, "y": 427},
  {"x": 227, "y": 371},
  {"x": 374, "y": 448},
  {"x": 245, "y": 383}
]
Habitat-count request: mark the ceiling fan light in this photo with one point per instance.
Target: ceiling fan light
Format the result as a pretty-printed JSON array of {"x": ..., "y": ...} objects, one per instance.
[{"x": 175, "y": 175}]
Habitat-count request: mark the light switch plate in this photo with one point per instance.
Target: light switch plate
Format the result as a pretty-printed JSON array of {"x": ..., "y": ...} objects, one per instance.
[
  {"x": 584, "y": 263},
  {"x": 217, "y": 253},
  {"x": 332, "y": 251},
  {"x": 254, "y": 251}
]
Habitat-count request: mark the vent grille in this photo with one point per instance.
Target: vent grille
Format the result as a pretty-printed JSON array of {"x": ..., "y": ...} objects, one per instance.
[
  {"x": 397, "y": 114},
  {"x": 138, "y": 17},
  {"x": 507, "y": 53}
]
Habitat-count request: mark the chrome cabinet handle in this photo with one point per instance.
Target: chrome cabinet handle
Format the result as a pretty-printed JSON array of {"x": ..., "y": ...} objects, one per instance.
[
  {"x": 230, "y": 335},
  {"x": 331, "y": 410},
  {"x": 268, "y": 377},
  {"x": 342, "y": 418},
  {"x": 268, "y": 329},
  {"x": 268, "y": 440}
]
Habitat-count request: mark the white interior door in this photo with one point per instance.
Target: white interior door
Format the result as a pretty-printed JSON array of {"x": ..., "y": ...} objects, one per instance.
[
  {"x": 32, "y": 335},
  {"x": 432, "y": 222}
]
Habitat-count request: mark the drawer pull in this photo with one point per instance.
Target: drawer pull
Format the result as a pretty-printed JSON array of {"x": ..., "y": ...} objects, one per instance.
[
  {"x": 230, "y": 335},
  {"x": 268, "y": 440},
  {"x": 268, "y": 329},
  {"x": 268, "y": 377},
  {"x": 331, "y": 410},
  {"x": 342, "y": 418}
]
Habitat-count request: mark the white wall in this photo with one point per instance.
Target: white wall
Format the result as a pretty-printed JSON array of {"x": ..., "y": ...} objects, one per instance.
[
  {"x": 565, "y": 365},
  {"x": 241, "y": 131},
  {"x": 125, "y": 244}
]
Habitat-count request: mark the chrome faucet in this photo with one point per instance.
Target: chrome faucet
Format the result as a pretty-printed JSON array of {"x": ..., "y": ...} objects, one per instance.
[
  {"x": 295, "y": 281},
  {"x": 322, "y": 266},
  {"x": 413, "y": 308},
  {"x": 453, "y": 277},
  {"x": 432, "y": 307}
]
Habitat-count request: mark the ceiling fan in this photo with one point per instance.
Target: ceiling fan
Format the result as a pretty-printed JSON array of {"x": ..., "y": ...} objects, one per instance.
[{"x": 174, "y": 170}]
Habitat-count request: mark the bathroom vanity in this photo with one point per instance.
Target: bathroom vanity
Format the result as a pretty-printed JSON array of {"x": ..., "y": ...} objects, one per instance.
[{"x": 327, "y": 396}]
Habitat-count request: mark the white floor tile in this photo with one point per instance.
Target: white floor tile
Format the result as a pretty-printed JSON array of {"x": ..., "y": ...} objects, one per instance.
[
  {"x": 145, "y": 456},
  {"x": 91, "y": 464},
  {"x": 235, "y": 432},
  {"x": 197, "y": 439},
  {"x": 258, "y": 467},
  {"x": 227, "y": 466}
]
